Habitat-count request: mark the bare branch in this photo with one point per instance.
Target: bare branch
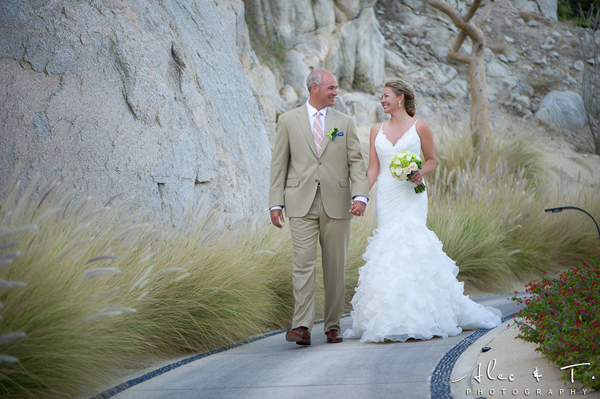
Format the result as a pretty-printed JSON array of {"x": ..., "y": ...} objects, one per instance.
[
  {"x": 472, "y": 10},
  {"x": 485, "y": 13},
  {"x": 447, "y": 9},
  {"x": 458, "y": 41},
  {"x": 468, "y": 27},
  {"x": 458, "y": 56}
]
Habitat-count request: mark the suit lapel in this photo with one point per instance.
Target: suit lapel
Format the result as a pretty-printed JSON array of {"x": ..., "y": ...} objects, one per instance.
[
  {"x": 330, "y": 123},
  {"x": 304, "y": 128}
]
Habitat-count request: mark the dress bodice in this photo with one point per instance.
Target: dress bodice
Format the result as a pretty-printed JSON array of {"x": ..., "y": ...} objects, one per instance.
[
  {"x": 409, "y": 141},
  {"x": 396, "y": 200}
]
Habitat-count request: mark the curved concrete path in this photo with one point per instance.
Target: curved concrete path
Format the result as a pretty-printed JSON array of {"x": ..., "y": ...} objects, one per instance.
[{"x": 270, "y": 367}]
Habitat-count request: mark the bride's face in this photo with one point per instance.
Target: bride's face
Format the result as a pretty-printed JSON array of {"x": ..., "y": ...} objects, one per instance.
[{"x": 389, "y": 100}]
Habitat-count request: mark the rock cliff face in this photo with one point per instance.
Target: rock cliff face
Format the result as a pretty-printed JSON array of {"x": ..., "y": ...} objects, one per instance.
[{"x": 152, "y": 100}]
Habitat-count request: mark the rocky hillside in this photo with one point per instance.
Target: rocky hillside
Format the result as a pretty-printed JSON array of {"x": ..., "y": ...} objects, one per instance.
[
  {"x": 528, "y": 55},
  {"x": 533, "y": 66}
]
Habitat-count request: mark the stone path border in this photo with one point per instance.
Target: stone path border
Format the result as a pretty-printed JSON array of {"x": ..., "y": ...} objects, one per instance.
[{"x": 440, "y": 380}]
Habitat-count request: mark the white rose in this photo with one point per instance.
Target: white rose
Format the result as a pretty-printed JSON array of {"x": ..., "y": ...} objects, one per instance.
[
  {"x": 406, "y": 171},
  {"x": 402, "y": 177},
  {"x": 409, "y": 158},
  {"x": 413, "y": 166}
]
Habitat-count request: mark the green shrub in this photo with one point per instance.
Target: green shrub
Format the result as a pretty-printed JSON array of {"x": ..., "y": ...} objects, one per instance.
[
  {"x": 561, "y": 316},
  {"x": 572, "y": 9}
]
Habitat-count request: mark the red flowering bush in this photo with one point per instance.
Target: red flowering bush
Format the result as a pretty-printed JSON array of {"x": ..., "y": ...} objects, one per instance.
[{"x": 562, "y": 316}]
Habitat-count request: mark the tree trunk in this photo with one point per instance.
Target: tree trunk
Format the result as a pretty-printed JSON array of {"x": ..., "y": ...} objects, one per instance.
[
  {"x": 479, "y": 105},
  {"x": 477, "y": 86}
]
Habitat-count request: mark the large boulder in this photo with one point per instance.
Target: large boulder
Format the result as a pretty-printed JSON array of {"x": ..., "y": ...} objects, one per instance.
[
  {"x": 340, "y": 35},
  {"x": 563, "y": 108},
  {"x": 148, "y": 99},
  {"x": 365, "y": 108},
  {"x": 360, "y": 61}
]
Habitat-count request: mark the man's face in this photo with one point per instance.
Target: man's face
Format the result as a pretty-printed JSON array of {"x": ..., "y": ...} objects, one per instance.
[{"x": 324, "y": 96}]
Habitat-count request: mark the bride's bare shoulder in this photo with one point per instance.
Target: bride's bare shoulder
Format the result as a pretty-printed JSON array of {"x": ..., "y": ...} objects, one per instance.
[
  {"x": 422, "y": 128},
  {"x": 375, "y": 128}
]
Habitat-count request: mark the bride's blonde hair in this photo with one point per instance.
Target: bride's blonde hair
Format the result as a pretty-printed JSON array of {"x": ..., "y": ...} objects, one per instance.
[{"x": 401, "y": 87}]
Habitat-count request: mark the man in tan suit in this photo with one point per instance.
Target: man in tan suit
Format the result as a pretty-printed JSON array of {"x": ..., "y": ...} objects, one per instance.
[{"x": 321, "y": 182}]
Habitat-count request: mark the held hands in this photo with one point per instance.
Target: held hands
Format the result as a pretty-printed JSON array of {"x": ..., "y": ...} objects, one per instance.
[
  {"x": 277, "y": 218},
  {"x": 357, "y": 208}
]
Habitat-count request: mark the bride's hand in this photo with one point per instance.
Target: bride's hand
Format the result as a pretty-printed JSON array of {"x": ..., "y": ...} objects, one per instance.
[{"x": 416, "y": 177}]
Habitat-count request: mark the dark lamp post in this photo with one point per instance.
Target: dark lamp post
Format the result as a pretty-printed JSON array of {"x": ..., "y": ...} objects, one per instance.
[{"x": 560, "y": 209}]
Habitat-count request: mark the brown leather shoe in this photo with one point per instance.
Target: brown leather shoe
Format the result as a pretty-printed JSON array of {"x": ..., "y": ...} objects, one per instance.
[
  {"x": 300, "y": 336},
  {"x": 334, "y": 336}
]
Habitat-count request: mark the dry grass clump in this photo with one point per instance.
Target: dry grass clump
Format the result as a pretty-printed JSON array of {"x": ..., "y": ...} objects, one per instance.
[{"x": 66, "y": 258}]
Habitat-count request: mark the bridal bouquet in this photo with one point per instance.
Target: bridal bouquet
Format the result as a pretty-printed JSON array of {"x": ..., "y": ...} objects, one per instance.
[{"x": 405, "y": 164}]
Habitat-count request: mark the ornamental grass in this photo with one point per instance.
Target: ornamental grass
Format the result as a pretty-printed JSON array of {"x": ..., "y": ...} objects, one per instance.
[
  {"x": 89, "y": 289},
  {"x": 491, "y": 217},
  {"x": 561, "y": 316}
]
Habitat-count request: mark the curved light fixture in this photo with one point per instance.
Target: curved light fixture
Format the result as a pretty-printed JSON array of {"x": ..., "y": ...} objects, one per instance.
[{"x": 560, "y": 209}]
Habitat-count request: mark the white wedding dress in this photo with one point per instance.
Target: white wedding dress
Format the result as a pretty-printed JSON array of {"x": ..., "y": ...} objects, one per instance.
[{"x": 408, "y": 287}]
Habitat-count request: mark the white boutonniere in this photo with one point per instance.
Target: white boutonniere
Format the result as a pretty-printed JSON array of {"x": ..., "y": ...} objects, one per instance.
[{"x": 333, "y": 133}]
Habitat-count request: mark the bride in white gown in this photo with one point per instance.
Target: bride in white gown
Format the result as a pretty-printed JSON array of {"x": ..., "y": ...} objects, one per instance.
[{"x": 407, "y": 287}]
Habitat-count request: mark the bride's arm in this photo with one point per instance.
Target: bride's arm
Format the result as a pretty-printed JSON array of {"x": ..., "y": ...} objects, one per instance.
[
  {"x": 373, "y": 169},
  {"x": 427, "y": 149}
]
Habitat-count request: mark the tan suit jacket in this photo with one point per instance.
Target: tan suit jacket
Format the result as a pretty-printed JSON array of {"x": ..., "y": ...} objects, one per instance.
[{"x": 296, "y": 169}]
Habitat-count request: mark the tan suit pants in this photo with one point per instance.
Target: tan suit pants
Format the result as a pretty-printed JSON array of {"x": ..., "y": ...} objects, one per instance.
[{"x": 334, "y": 236}]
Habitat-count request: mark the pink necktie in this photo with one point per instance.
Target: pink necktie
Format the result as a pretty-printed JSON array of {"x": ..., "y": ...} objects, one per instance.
[{"x": 318, "y": 133}]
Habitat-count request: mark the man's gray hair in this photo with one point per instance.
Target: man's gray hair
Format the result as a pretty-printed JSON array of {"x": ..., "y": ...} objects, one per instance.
[{"x": 315, "y": 77}]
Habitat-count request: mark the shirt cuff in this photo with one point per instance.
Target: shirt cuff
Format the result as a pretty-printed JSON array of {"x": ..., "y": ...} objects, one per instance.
[
  {"x": 276, "y": 207},
  {"x": 361, "y": 198}
]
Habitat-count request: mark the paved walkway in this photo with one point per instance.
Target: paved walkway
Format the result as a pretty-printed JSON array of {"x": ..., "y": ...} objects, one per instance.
[{"x": 270, "y": 367}]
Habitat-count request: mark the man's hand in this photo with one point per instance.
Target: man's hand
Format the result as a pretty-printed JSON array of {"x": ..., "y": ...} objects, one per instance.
[
  {"x": 357, "y": 208},
  {"x": 277, "y": 218}
]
